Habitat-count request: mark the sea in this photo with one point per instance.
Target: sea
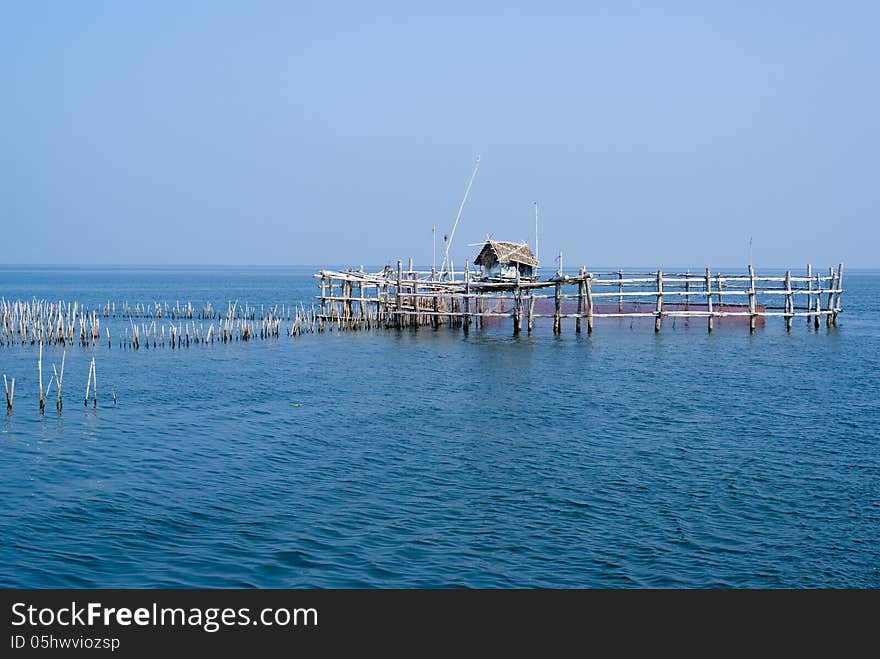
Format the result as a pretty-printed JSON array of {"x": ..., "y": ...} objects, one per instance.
[{"x": 432, "y": 458}]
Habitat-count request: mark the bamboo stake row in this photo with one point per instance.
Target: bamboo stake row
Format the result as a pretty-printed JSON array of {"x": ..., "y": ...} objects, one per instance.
[
  {"x": 189, "y": 311},
  {"x": 39, "y": 322}
]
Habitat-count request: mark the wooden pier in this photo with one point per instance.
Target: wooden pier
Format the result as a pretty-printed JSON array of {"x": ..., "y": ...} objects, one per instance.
[{"x": 405, "y": 297}]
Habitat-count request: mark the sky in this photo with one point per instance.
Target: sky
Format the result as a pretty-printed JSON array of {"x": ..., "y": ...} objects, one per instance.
[{"x": 275, "y": 133}]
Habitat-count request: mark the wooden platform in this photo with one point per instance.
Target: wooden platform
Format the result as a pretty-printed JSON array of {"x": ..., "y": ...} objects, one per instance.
[{"x": 413, "y": 298}]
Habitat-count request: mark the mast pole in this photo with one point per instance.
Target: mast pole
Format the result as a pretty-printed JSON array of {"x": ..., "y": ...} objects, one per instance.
[{"x": 458, "y": 217}]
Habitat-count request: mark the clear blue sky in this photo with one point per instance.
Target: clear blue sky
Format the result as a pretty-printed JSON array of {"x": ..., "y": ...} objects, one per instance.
[{"x": 309, "y": 133}]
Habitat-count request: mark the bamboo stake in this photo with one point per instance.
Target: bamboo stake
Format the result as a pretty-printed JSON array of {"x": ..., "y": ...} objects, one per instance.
[
  {"x": 588, "y": 285},
  {"x": 531, "y": 312},
  {"x": 829, "y": 303},
  {"x": 810, "y": 291},
  {"x": 10, "y": 392},
  {"x": 415, "y": 298},
  {"x": 398, "y": 294},
  {"x": 557, "y": 321},
  {"x": 517, "y": 305},
  {"x": 88, "y": 383},
  {"x": 40, "y": 370},
  {"x": 580, "y": 303},
  {"x": 557, "y": 313},
  {"x": 59, "y": 378},
  {"x": 467, "y": 298},
  {"x": 709, "y": 297},
  {"x": 659, "y": 309},
  {"x": 789, "y": 301},
  {"x": 752, "y": 304},
  {"x": 687, "y": 291},
  {"x": 836, "y": 308}
]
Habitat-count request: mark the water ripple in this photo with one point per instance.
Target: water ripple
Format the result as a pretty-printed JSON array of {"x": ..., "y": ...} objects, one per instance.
[{"x": 389, "y": 459}]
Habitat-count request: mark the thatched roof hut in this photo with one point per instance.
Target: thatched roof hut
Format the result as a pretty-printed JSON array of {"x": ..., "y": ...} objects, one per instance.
[{"x": 500, "y": 259}]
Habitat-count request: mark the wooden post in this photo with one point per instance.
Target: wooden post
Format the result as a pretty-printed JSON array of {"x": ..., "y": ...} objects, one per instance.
[
  {"x": 531, "y": 310},
  {"x": 580, "y": 308},
  {"x": 659, "y": 310},
  {"x": 830, "y": 300},
  {"x": 88, "y": 383},
  {"x": 448, "y": 320},
  {"x": 379, "y": 314},
  {"x": 588, "y": 286},
  {"x": 59, "y": 379},
  {"x": 818, "y": 301},
  {"x": 809, "y": 292},
  {"x": 398, "y": 294},
  {"x": 435, "y": 302},
  {"x": 557, "y": 320},
  {"x": 10, "y": 392},
  {"x": 836, "y": 308},
  {"x": 40, "y": 370},
  {"x": 517, "y": 305},
  {"x": 415, "y": 298},
  {"x": 620, "y": 291},
  {"x": 687, "y": 291},
  {"x": 332, "y": 302},
  {"x": 466, "y": 324},
  {"x": 387, "y": 302},
  {"x": 789, "y": 301},
  {"x": 752, "y": 303},
  {"x": 709, "y": 298}
]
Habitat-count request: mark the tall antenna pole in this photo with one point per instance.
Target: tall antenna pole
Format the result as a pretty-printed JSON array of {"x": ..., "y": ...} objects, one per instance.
[
  {"x": 750, "y": 250},
  {"x": 536, "y": 235},
  {"x": 434, "y": 254},
  {"x": 458, "y": 217}
]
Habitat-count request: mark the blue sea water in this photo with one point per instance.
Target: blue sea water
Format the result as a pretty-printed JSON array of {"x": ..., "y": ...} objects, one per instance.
[{"x": 438, "y": 459}]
